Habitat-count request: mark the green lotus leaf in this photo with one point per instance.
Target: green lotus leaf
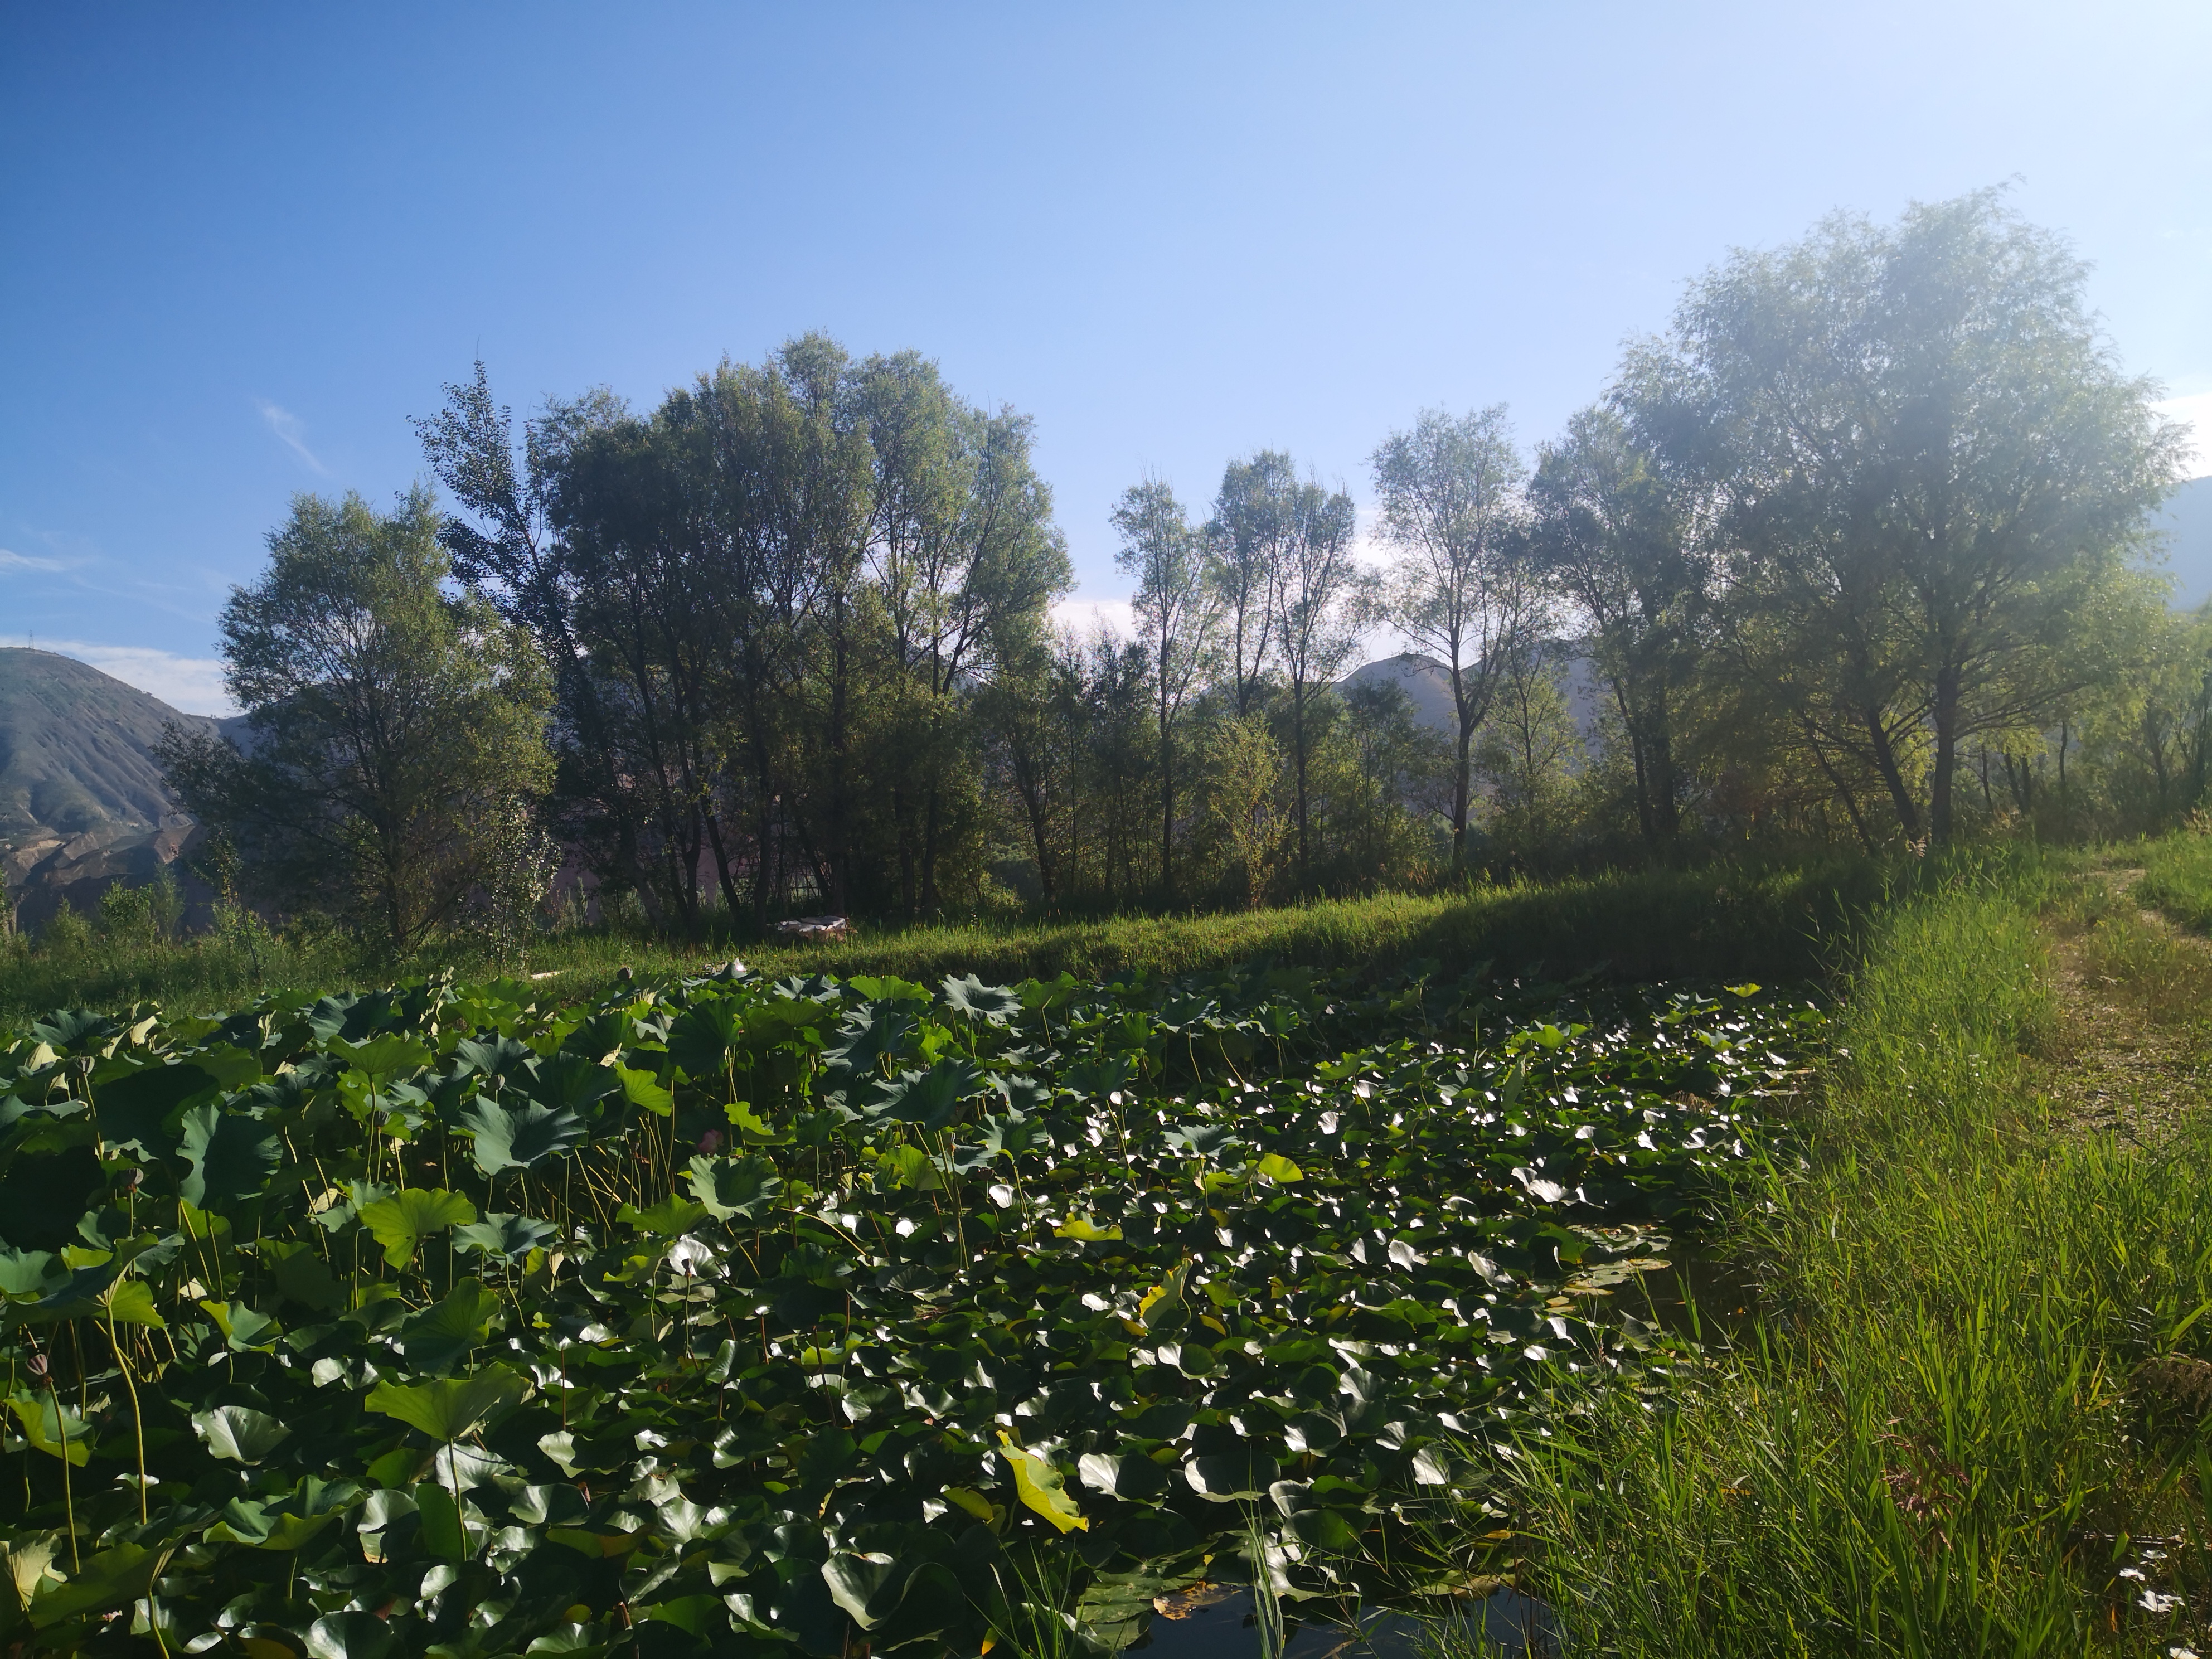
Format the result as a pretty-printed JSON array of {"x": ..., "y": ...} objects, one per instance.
[
  {"x": 1085, "y": 1230},
  {"x": 245, "y": 1329},
  {"x": 113, "y": 1578},
  {"x": 706, "y": 1036},
  {"x": 517, "y": 1136},
  {"x": 130, "y": 1302},
  {"x": 440, "y": 1337},
  {"x": 642, "y": 1090},
  {"x": 240, "y": 1434},
  {"x": 1099, "y": 1076},
  {"x": 865, "y": 1038},
  {"x": 888, "y": 988},
  {"x": 735, "y": 1188},
  {"x": 1042, "y": 1486},
  {"x": 670, "y": 1218},
  {"x": 301, "y": 1274},
  {"x": 572, "y": 1082},
  {"x": 501, "y": 1057},
  {"x": 26, "y": 1273},
  {"x": 1163, "y": 1310},
  {"x": 231, "y": 1156},
  {"x": 1231, "y": 1478},
  {"x": 59, "y": 1431},
  {"x": 1202, "y": 1139},
  {"x": 995, "y": 1004},
  {"x": 402, "y": 1220},
  {"x": 449, "y": 1408},
  {"x": 445, "y": 1532},
  {"x": 386, "y": 1056},
  {"x": 930, "y": 1099},
  {"x": 513, "y": 1236},
  {"x": 351, "y": 1636},
  {"x": 134, "y": 1109},
  {"x": 574, "y": 1642},
  {"x": 77, "y": 1029}
]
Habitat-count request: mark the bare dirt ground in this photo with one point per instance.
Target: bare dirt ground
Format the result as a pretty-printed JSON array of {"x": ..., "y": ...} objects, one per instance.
[{"x": 2132, "y": 1053}]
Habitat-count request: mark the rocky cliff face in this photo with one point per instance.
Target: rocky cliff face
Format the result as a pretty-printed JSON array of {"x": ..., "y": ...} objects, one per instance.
[{"x": 82, "y": 801}]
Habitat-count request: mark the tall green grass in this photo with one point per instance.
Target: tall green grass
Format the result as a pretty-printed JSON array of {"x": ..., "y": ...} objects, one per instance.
[
  {"x": 2176, "y": 879},
  {"x": 1929, "y": 1443},
  {"x": 1719, "y": 921}
]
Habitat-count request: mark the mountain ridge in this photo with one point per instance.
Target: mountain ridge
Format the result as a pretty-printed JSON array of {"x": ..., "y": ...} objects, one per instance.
[{"x": 83, "y": 801}]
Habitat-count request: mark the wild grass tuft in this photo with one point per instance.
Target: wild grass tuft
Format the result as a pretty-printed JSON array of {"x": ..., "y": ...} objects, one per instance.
[{"x": 1931, "y": 1443}]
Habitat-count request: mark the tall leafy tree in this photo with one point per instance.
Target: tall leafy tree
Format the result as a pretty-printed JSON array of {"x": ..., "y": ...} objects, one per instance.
[
  {"x": 1610, "y": 534},
  {"x": 505, "y": 544},
  {"x": 1175, "y": 609},
  {"x": 1247, "y": 541},
  {"x": 967, "y": 561},
  {"x": 397, "y": 732},
  {"x": 1919, "y": 447},
  {"x": 1321, "y": 600},
  {"x": 1450, "y": 494}
]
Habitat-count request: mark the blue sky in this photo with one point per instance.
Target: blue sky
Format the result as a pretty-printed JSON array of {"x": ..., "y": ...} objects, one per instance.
[{"x": 241, "y": 245}]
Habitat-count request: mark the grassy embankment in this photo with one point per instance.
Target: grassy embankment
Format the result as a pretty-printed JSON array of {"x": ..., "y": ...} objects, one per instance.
[
  {"x": 1716, "y": 921},
  {"x": 2177, "y": 878},
  {"x": 1939, "y": 1437}
]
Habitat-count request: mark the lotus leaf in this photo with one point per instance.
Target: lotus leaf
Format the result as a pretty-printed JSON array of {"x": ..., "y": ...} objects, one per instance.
[
  {"x": 519, "y": 1136},
  {"x": 58, "y": 1430},
  {"x": 240, "y": 1434},
  {"x": 451, "y": 1407},
  {"x": 441, "y": 1337},
  {"x": 402, "y": 1221},
  {"x": 513, "y": 1236},
  {"x": 231, "y": 1157},
  {"x": 734, "y": 1188}
]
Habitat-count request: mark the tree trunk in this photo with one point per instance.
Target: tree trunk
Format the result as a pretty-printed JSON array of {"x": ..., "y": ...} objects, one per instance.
[
  {"x": 1167, "y": 807},
  {"x": 1843, "y": 790},
  {"x": 1462, "y": 783},
  {"x": 1947, "y": 755},
  {"x": 1885, "y": 761},
  {"x": 724, "y": 880}
]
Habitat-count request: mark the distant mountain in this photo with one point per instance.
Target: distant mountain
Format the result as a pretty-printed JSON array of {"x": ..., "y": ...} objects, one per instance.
[
  {"x": 1427, "y": 684},
  {"x": 2186, "y": 520},
  {"x": 81, "y": 801},
  {"x": 1424, "y": 681}
]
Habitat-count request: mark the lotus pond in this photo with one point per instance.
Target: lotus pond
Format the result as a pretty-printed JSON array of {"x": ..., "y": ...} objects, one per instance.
[{"x": 821, "y": 1317}]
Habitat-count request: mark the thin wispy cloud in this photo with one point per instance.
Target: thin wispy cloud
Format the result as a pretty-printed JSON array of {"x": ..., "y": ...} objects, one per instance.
[
  {"x": 24, "y": 561},
  {"x": 291, "y": 430}
]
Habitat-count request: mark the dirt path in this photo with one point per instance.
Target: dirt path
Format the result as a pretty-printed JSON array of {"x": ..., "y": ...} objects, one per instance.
[{"x": 2132, "y": 1055}]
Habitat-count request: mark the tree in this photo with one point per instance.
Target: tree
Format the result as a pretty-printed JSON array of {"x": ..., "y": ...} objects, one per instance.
[
  {"x": 1459, "y": 589},
  {"x": 966, "y": 555},
  {"x": 1253, "y": 515},
  {"x": 1321, "y": 603},
  {"x": 1529, "y": 746},
  {"x": 1176, "y": 607},
  {"x": 1919, "y": 449},
  {"x": 1608, "y": 534},
  {"x": 397, "y": 730},
  {"x": 1243, "y": 784},
  {"x": 505, "y": 544}
]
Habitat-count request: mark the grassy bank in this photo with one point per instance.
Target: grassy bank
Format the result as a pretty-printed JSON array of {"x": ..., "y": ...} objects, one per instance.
[
  {"x": 1773, "y": 923},
  {"x": 1939, "y": 1439},
  {"x": 2176, "y": 879}
]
